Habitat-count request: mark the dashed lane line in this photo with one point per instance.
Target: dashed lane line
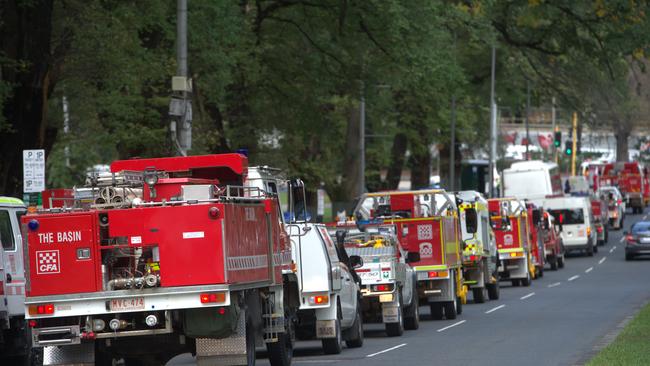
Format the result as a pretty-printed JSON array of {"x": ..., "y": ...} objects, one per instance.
[
  {"x": 613, "y": 249},
  {"x": 527, "y": 296},
  {"x": 589, "y": 269},
  {"x": 602, "y": 260},
  {"x": 387, "y": 350},
  {"x": 554, "y": 284},
  {"x": 451, "y": 326},
  {"x": 572, "y": 278},
  {"x": 620, "y": 241},
  {"x": 645, "y": 217},
  {"x": 495, "y": 309}
]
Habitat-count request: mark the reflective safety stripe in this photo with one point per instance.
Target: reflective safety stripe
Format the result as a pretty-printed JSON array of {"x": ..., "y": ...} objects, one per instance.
[
  {"x": 511, "y": 250},
  {"x": 432, "y": 268},
  {"x": 11, "y": 201}
]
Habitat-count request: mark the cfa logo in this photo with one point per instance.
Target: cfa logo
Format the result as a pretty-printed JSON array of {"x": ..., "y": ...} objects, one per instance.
[
  {"x": 47, "y": 262},
  {"x": 508, "y": 239},
  {"x": 426, "y": 250}
]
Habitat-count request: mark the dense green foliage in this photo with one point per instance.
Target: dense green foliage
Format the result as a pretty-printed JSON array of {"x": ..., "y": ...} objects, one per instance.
[{"x": 283, "y": 78}]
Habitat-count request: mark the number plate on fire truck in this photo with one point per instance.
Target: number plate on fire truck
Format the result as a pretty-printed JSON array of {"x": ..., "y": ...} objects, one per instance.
[{"x": 135, "y": 303}]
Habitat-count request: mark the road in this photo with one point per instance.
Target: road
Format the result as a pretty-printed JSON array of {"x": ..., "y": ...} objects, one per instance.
[{"x": 561, "y": 319}]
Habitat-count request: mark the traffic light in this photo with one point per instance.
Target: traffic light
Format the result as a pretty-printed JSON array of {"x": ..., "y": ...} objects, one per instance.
[
  {"x": 568, "y": 147},
  {"x": 557, "y": 141}
]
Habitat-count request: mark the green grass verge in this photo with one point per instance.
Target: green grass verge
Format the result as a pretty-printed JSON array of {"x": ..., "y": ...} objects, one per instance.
[{"x": 631, "y": 347}]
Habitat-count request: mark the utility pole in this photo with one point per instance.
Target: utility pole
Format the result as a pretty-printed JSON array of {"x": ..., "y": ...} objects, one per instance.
[
  {"x": 527, "y": 117},
  {"x": 555, "y": 128},
  {"x": 493, "y": 126},
  {"x": 574, "y": 147},
  {"x": 180, "y": 106},
  {"x": 66, "y": 130},
  {"x": 362, "y": 140},
  {"x": 452, "y": 146}
]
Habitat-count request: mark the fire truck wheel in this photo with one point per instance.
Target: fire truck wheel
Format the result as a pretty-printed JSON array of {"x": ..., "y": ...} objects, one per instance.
[
  {"x": 436, "y": 310},
  {"x": 333, "y": 346},
  {"x": 356, "y": 332},
  {"x": 515, "y": 283},
  {"x": 451, "y": 310},
  {"x": 493, "y": 291},
  {"x": 553, "y": 262},
  {"x": 412, "y": 317},
  {"x": 540, "y": 271},
  {"x": 595, "y": 248},
  {"x": 250, "y": 343},
  {"x": 560, "y": 261},
  {"x": 606, "y": 234},
  {"x": 479, "y": 294},
  {"x": 281, "y": 352},
  {"x": 590, "y": 250},
  {"x": 526, "y": 281}
]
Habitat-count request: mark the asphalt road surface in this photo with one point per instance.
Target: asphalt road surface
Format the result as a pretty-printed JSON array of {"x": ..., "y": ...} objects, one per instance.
[{"x": 563, "y": 318}]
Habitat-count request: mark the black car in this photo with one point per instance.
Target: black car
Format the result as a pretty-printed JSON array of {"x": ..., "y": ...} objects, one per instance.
[{"x": 637, "y": 240}]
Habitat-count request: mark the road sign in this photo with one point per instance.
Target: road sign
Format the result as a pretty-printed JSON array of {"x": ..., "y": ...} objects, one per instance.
[
  {"x": 33, "y": 170},
  {"x": 320, "y": 202}
]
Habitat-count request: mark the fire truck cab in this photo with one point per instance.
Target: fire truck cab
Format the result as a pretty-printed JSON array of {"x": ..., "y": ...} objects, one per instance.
[
  {"x": 509, "y": 219},
  {"x": 165, "y": 256},
  {"x": 480, "y": 257},
  {"x": 427, "y": 226},
  {"x": 630, "y": 180}
]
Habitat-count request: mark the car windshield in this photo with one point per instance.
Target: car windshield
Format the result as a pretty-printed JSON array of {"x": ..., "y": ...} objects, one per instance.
[
  {"x": 569, "y": 216},
  {"x": 641, "y": 228}
]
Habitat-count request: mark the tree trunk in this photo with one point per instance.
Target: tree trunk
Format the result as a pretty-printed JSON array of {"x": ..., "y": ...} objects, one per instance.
[
  {"x": 420, "y": 163},
  {"x": 622, "y": 135},
  {"x": 344, "y": 194},
  {"x": 25, "y": 37},
  {"x": 397, "y": 160}
]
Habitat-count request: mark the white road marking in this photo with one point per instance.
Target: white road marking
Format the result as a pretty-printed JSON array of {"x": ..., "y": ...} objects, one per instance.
[
  {"x": 573, "y": 278},
  {"x": 602, "y": 260},
  {"x": 387, "y": 350},
  {"x": 555, "y": 284},
  {"x": 451, "y": 326},
  {"x": 613, "y": 249},
  {"x": 645, "y": 217},
  {"x": 527, "y": 296},
  {"x": 495, "y": 309},
  {"x": 589, "y": 269},
  {"x": 620, "y": 241}
]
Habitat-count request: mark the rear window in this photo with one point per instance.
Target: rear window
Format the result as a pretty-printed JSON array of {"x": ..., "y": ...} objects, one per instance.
[
  {"x": 641, "y": 228},
  {"x": 568, "y": 216}
]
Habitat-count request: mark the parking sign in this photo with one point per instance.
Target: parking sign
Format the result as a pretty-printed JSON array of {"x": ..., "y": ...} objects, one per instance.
[{"x": 33, "y": 171}]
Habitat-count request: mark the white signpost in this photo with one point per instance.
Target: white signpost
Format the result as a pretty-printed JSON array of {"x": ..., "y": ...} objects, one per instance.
[{"x": 33, "y": 171}]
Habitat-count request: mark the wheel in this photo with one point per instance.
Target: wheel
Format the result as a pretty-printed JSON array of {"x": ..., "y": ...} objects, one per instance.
[
  {"x": 395, "y": 329},
  {"x": 459, "y": 306},
  {"x": 590, "y": 250},
  {"x": 540, "y": 271},
  {"x": 493, "y": 291},
  {"x": 526, "y": 281},
  {"x": 436, "y": 310},
  {"x": 356, "y": 333},
  {"x": 281, "y": 352},
  {"x": 412, "y": 314},
  {"x": 628, "y": 257},
  {"x": 560, "y": 261},
  {"x": 515, "y": 283},
  {"x": 250, "y": 343},
  {"x": 478, "y": 294},
  {"x": 606, "y": 234},
  {"x": 451, "y": 309},
  {"x": 553, "y": 262},
  {"x": 334, "y": 346},
  {"x": 595, "y": 248}
]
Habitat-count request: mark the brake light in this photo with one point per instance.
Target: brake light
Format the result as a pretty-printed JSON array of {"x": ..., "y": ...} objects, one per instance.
[
  {"x": 588, "y": 230},
  {"x": 630, "y": 239},
  {"x": 319, "y": 300},
  {"x": 210, "y": 298},
  {"x": 516, "y": 254},
  {"x": 438, "y": 274},
  {"x": 619, "y": 201},
  {"x": 32, "y": 323},
  {"x": 43, "y": 309},
  {"x": 382, "y": 288}
]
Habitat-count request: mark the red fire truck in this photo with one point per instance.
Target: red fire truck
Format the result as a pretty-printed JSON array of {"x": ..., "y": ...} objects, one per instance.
[
  {"x": 428, "y": 228},
  {"x": 630, "y": 180},
  {"x": 600, "y": 213},
  {"x": 535, "y": 239},
  {"x": 509, "y": 218},
  {"x": 173, "y": 255}
]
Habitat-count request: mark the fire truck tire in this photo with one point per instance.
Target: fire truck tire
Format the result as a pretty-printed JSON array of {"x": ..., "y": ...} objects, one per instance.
[
  {"x": 606, "y": 234},
  {"x": 250, "y": 343},
  {"x": 355, "y": 339},
  {"x": 553, "y": 262},
  {"x": 493, "y": 291},
  {"x": 526, "y": 281},
  {"x": 334, "y": 346},
  {"x": 560, "y": 261},
  {"x": 515, "y": 283},
  {"x": 459, "y": 306},
  {"x": 436, "y": 310},
  {"x": 590, "y": 250},
  {"x": 478, "y": 293},
  {"x": 540, "y": 271},
  {"x": 451, "y": 310},
  {"x": 281, "y": 352},
  {"x": 596, "y": 248},
  {"x": 412, "y": 317}
]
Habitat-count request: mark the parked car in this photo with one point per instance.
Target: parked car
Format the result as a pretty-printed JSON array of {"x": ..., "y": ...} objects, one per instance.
[
  {"x": 637, "y": 240},
  {"x": 616, "y": 206},
  {"x": 573, "y": 214}
]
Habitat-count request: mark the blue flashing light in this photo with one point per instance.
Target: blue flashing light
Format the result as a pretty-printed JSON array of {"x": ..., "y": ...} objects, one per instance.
[{"x": 33, "y": 225}]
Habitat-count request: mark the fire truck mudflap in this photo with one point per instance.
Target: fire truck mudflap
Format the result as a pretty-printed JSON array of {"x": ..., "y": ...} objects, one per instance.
[{"x": 179, "y": 263}]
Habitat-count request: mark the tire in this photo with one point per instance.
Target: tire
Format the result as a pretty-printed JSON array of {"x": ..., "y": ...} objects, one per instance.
[
  {"x": 281, "y": 352},
  {"x": 250, "y": 343},
  {"x": 606, "y": 234},
  {"x": 596, "y": 248},
  {"x": 590, "y": 250},
  {"x": 356, "y": 333},
  {"x": 436, "y": 310},
  {"x": 459, "y": 306},
  {"x": 553, "y": 263},
  {"x": 493, "y": 291},
  {"x": 412, "y": 316},
  {"x": 515, "y": 283},
  {"x": 540, "y": 271},
  {"x": 333, "y": 346},
  {"x": 560, "y": 261},
  {"x": 395, "y": 329},
  {"x": 450, "y": 310},
  {"x": 526, "y": 281},
  {"x": 628, "y": 257},
  {"x": 478, "y": 293}
]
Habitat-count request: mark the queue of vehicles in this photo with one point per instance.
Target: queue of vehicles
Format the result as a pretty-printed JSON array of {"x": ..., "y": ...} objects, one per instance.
[{"x": 206, "y": 255}]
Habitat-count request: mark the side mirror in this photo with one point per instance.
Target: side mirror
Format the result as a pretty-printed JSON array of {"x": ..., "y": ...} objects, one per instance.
[
  {"x": 340, "y": 237},
  {"x": 412, "y": 257},
  {"x": 297, "y": 201},
  {"x": 471, "y": 220},
  {"x": 356, "y": 261}
]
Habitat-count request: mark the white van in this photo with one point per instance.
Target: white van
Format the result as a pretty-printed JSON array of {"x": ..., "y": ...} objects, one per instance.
[
  {"x": 532, "y": 180},
  {"x": 573, "y": 215}
]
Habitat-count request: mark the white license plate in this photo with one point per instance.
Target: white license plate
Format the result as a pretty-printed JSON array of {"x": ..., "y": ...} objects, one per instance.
[
  {"x": 369, "y": 276},
  {"x": 644, "y": 240},
  {"x": 134, "y": 303}
]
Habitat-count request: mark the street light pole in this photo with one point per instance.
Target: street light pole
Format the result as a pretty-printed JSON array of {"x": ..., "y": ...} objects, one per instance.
[
  {"x": 362, "y": 140},
  {"x": 493, "y": 126},
  {"x": 527, "y": 117},
  {"x": 452, "y": 146},
  {"x": 180, "y": 106}
]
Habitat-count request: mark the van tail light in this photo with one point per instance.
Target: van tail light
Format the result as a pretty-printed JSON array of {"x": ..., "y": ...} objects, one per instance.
[
  {"x": 319, "y": 300},
  {"x": 211, "y": 298},
  {"x": 588, "y": 231},
  {"x": 42, "y": 309}
]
